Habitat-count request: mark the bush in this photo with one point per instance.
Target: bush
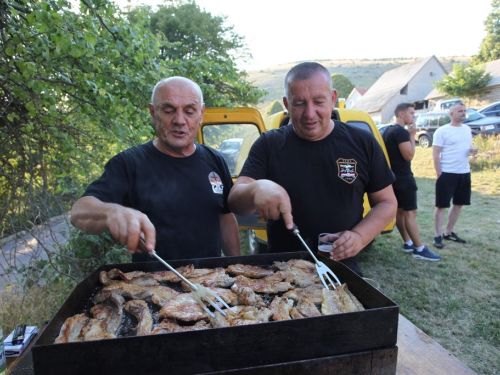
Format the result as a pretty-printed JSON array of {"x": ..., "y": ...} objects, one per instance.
[{"x": 488, "y": 156}]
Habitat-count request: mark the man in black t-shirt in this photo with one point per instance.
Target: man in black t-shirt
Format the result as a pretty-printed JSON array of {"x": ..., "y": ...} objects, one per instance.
[
  {"x": 400, "y": 144},
  {"x": 321, "y": 169},
  {"x": 171, "y": 191}
]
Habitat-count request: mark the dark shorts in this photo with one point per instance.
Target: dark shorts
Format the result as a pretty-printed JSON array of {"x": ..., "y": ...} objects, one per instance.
[
  {"x": 453, "y": 185},
  {"x": 405, "y": 190}
]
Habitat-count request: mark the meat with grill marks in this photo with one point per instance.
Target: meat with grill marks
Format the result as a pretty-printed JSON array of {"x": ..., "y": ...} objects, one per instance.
[
  {"x": 215, "y": 277},
  {"x": 183, "y": 307},
  {"x": 280, "y": 307},
  {"x": 140, "y": 310},
  {"x": 161, "y": 294},
  {"x": 304, "y": 309},
  {"x": 313, "y": 293},
  {"x": 298, "y": 276},
  {"x": 253, "y": 272},
  {"x": 124, "y": 289},
  {"x": 115, "y": 274},
  {"x": 244, "y": 315},
  {"x": 260, "y": 285},
  {"x": 170, "y": 326},
  {"x": 339, "y": 301},
  {"x": 171, "y": 277},
  {"x": 247, "y": 297},
  {"x": 96, "y": 329},
  {"x": 110, "y": 313},
  {"x": 72, "y": 328}
]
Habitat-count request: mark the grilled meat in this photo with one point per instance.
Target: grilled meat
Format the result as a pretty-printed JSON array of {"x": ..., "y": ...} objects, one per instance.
[
  {"x": 110, "y": 313},
  {"x": 161, "y": 294},
  {"x": 260, "y": 285},
  {"x": 295, "y": 264},
  {"x": 280, "y": 307},
  {"x": 247, "y": 297},
  {"x": 216, "y": 277},
  {"x": 244, "y": 315},
  {"x": 171, "y": 277},
  {"x": 313, "y": 293},
  {"x": 140, "y": 310},
  {"x": 71, "y": 329},
  {"x": 253, "y": 272},
  {"x": 124, "y": 289},
  {"x": 170, "y": 326},
  {"x": 183, "y": 307},
  {"x": 331, "y": 302},
  {"x": 96, "y": 329},
  {"x": 307, "y": 309}
]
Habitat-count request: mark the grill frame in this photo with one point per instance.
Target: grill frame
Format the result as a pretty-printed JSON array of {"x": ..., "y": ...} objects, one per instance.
[{"x": 220, "y": 349}]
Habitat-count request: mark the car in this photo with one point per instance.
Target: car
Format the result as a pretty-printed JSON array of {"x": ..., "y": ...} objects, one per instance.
[
  {"x": 230, "y": 150},
  {"x": 222, "y": 127},
  {"x": 492, "y": 109},
  {"x": 428, "y": 122},
  {"x": 382, "y": 128},
  {"x": 445, "y": 104}
]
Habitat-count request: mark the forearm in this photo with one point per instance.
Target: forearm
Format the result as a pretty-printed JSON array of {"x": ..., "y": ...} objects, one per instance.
[
  {"x": 241, "y": 198},
  {"x": 436, "y": 157},
  {"x": 230, "y": 235},
  {"x": 375, "y": 221},
  {"x": 90, "y": 215}
]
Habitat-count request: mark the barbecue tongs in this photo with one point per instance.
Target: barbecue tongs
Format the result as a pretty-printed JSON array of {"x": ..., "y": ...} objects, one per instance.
[
  {"x": 322, "y": 268},
  {"x": 200, "y": 293}
]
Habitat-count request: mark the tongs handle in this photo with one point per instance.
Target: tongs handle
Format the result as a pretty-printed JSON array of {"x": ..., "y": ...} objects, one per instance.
[
  {"x": 152, "y": 253},
  {"x": 295, "y": 230}
]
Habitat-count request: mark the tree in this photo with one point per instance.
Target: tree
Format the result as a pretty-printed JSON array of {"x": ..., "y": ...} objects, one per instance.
[
  {"x": 273, "y": 108},
  {"x": 208, "y": 49},
  {"x": 490, "y": 46},
  {"x": 342, "y": 84},
  {"x": 464, "y": 81}
]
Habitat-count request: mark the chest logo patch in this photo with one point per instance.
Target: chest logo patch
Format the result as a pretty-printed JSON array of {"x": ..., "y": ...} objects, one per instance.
[
  {"x": 347, "y": 170},
  {"x": 216, "y": 182}
]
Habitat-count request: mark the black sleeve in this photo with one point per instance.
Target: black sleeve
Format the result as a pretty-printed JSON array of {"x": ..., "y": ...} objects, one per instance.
[{"x": 380, "y": 174}]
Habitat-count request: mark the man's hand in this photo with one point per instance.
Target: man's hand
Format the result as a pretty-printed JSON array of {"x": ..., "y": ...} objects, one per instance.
[
  {"x": 272, "y": 201},
  {"x": 125, "y": 224},
  {"x": 266, "y": 197},
  {"x": 348, "y": 245}
]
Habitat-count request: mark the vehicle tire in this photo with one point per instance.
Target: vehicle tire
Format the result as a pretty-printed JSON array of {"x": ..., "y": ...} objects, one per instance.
[
  {"x": 254, "y": 246},
  {"x": 424, "y": 141}
]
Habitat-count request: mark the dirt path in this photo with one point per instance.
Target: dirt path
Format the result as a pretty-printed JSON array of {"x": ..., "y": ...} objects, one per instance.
[{"x": 25, "y": 248}]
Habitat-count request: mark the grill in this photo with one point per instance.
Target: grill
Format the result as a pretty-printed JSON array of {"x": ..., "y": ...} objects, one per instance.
[{"x": 227, "y": 349}]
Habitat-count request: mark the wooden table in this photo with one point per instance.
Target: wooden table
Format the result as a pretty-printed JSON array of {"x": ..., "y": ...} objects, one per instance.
[{"x": 417, "y": 354}]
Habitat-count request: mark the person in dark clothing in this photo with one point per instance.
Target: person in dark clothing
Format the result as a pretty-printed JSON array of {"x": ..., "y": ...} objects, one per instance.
[
  {"x": 400, "y": 144},
  {"x": 321, "y": 169},
  {"x": 171, "y": 191}
]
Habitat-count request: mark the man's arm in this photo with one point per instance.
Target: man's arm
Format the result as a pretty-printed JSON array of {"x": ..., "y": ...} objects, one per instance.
[
  {"x": 384, "y": 207},
  {"x": 436, "y": 153},
  {"x": 407, "y": 149},
  {"x": 266, "y": 197},
  {"x": 125, "y": 224},
  {"x": 230, "y": 235}
]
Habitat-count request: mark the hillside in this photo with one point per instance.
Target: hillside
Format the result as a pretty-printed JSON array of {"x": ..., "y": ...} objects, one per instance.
[{"x": 362, "y": 73}]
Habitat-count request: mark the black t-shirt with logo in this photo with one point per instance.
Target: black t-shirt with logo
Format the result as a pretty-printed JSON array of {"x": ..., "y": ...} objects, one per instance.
[
  {"x": 182, "y": 197},
  {"x": 393, "y": 136},
  {"x": 326, "y": 179}
]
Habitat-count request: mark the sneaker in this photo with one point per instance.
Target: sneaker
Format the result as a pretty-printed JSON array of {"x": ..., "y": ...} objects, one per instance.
[
  {"x": 438, "y": 242},
  {"x": 453, "y": 237},
  {"x": 407, "y": 248},
  {"x": 426, "y": 254}
]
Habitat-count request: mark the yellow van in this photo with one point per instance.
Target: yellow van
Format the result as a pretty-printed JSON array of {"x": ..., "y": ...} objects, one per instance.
[{"x": 238, "y": 128}]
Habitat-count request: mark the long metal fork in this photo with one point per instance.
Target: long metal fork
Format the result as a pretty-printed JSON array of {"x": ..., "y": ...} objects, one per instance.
[
  {"x": 200, "y": 293},
  {"x": 323, "y": 271}
]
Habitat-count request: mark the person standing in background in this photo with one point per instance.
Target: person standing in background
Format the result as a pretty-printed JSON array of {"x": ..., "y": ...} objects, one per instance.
[
  {"x": 451, "y": 148},
  {"x": 400, "y": 144}
]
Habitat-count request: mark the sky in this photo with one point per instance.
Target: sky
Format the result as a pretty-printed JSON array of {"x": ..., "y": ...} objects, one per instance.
[{"x": 279, "y": 32}]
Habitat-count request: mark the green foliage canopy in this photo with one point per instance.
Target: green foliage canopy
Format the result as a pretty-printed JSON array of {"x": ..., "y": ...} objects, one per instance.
[
  {"x": 342, "y": 84},
  {"x": 464, "y": 81},
  {"x": 490, "y": 46},
  {"x": 208, "y": 48},
  {"x": 273, "y": 108}
]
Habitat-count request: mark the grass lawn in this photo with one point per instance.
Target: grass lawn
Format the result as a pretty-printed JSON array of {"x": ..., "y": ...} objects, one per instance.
[{"x": 456, "y": 301}]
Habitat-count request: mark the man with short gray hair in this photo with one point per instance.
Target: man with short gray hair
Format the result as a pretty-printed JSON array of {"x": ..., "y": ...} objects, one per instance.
[
  {"x": 451, "y": 148},
  {"x": 170, "y": 191}
]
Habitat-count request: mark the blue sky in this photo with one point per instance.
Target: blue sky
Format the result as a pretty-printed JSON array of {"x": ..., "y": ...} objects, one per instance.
[{"x": 279, "y": 32}]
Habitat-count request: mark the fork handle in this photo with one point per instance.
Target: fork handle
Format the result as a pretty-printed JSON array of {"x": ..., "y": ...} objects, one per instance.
[{"x": 295, "y": 231}]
